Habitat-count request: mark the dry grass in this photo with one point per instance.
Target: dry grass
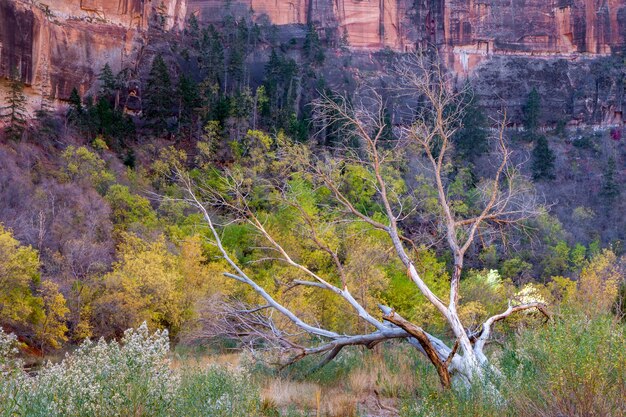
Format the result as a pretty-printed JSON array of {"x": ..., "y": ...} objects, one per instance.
[
  {"x": 311, "y": 397},
  {"x": 231, "y": 361},
  {"x": 284, "y": 393},
  {"x": 376, "y": 376},
  {"x": 337, "y": 404},
  {"x": 370, "y": 389}
]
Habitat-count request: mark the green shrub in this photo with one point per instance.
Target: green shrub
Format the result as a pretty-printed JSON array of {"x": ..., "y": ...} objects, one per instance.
[
  {"x": 574, "y": 366},
  {"x": 215, "y": 392}
]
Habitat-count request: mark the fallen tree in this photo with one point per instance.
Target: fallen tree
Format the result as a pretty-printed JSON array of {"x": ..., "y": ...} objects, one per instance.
[{"x": 505, "y": 201}]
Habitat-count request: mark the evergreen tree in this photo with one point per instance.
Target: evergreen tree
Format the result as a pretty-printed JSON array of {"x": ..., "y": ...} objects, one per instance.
[
  {"x": 471, "y": 138},
  {"x": 108, "y": 82},
  {"x": 313, "y": 50},
  {"x": 543, "y": 160},
  {"x": 260, "y": 104},
  {"x": 610, "y": 187},
  {"x": 158, "y": 97},
  {"x": 106, "y": 115},
  {"x": 15, "y": 111},
  {"x": 236, "y": 68},
  {"x": 281, "y": 84},
  {"x": 193, "y": 27},
  {"x": 211, "y": 58},
  {"x": 532, "y": 111},
  {"x": 76, "y": 110},
  {"x": 543, "y": 156},
  {"x": 188, "y": 99}
]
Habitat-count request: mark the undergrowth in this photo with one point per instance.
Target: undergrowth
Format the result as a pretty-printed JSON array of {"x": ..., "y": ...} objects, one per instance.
[{"x": 572, "y": 366}]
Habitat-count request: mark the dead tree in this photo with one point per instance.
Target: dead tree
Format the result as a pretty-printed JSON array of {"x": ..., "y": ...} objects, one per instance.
[{"x": 505, "y": 202}]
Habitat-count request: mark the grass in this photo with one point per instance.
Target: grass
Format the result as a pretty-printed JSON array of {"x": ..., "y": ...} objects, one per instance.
[{"x": 575, "y": 367}]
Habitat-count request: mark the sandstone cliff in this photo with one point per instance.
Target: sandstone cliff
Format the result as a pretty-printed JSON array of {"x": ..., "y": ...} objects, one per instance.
[
  {"x": 62, "y": 45},
  {"x": 507, "y": 46},
  {"x": 467, "y": 27},
  {"x": 474, "y": 29}
]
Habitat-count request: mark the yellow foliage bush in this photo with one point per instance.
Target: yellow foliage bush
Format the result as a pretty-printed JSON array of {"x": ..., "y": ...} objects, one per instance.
[
  {"x": 36, "y": 308},
  {"x": 599, "y": 283}
]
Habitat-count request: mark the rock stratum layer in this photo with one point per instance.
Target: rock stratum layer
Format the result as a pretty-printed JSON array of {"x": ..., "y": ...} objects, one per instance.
[{"x": 63, "y": 44}]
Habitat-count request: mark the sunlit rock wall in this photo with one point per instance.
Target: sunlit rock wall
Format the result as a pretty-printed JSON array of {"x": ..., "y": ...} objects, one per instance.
[
  {"x": 478, "y": 28},
  {"x": 466, "y": 27},
  {"x": 63, "y": 44}
]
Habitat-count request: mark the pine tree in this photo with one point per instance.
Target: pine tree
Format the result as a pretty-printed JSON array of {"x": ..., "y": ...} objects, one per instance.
[
  {"x": 211, "y": 58},
  {"x": 108, "y": 83},
  {"x": 313, "y": 50},
  {"x": 236, "y": 67},
  {"x": 471, "y": 138},
  {"x": 193, "y": 27},
  {"x": 543, "y": 160},
  {"x": 281, "y": 83},
  {"x": 532, "y": 111},
  {"x": 188, "y": 99},
  {"x": 158, "y": 97},
  {"x": 610, "y": 187},
  {"x": 75, "y": 101},
  {"x": 76, "y": 110},
  {"x": 15, "y": 112}
]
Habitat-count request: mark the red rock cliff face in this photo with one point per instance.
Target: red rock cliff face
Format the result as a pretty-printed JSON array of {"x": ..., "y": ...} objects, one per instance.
[
  {"x": 370, "y": 24},
  {"x": 465, "y": 27},
  {"x": 62, "y": 45},
  {"x": 478, "y": 28}
]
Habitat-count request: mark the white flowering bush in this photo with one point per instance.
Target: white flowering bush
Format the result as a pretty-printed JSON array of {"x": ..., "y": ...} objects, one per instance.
[
  {"x": 131, "y": 378},
  {"x": 11, "y": 375},
  {"x": 530, "y": 293},
  {"x": 492, "y": 279},
  {"x": 8, "y": 353}
]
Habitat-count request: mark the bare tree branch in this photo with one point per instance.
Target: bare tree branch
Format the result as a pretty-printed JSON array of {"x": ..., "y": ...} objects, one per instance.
[{"x": 487, "y": 326}]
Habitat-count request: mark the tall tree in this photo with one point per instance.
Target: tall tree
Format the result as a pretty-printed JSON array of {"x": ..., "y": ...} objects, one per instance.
[
  {"x": 532, "y": 111},
  {"x": 188, "y": 102},
  {"x": 108, "y": 82},
  {"x": 313, "y": 50},
  {"x": 211, "y": 56},
  {"x": 281, "y": 84},
  {"x": 542, "y": 157},
  {"x": 76, "y": 110},
  {"x": 610, "y": 186},
  {"x": 158, "y": 98},
  {"x": 471, "y": 138},
  {"x": 15, "y": 112},
  {"x": 543, "y": 160}
]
